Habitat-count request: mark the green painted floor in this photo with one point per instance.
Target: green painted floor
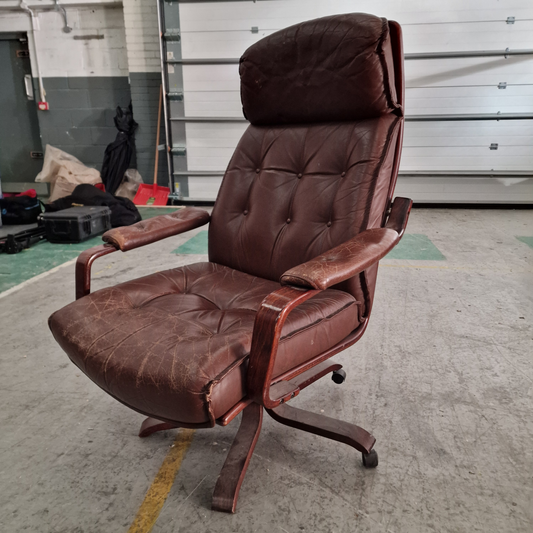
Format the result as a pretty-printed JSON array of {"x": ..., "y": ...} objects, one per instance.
[
  {"x": 415, "y": 247},
  {"x": 526, "y": 240},
  {"x": 195, "y": 245},
  {"x": 44, "y": 256}
]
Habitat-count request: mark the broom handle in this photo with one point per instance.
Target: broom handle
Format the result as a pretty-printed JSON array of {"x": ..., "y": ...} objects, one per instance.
[{"x": 157, "y": 136}]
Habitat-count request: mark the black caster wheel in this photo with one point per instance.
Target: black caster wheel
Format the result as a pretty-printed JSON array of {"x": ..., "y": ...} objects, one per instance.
[
  {"x": 338, "y": 376},
  {"x": 370, "y": 460}
]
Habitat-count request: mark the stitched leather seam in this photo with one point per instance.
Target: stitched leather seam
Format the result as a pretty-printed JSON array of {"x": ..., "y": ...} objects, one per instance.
[
  {"x": 364, "y": 310},
  {"x": 226, "y": 371},
  {"x": 386, "y": 80},
  {"x": 318, "y": 321},
  {"x": 213, "y": 383},
  {"x": 207, "y": 394},
  {"x": 224, "y": 179},
  {"x": 301, "y": 280},
  {"x": 340, "y": 180},
  {"x": 377, "y": 172},
  {"x": 238, "y": 362},
  {"x": 389, "y": 146}
]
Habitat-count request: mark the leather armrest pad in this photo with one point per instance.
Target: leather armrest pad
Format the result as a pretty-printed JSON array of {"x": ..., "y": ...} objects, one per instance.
[
  {"x": 157, "y": 228},
  {"x": 343, "y": 261}
]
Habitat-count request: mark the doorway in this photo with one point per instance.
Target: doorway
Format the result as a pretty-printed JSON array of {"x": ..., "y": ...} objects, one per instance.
[{"x": 20, "y": 140}]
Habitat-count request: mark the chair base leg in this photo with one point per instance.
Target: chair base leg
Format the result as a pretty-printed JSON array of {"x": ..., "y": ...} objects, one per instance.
[
  {"x": 152, "y": 425},
  {"x": 324, "y": 426},
  {"x": 232, "y": 474}
]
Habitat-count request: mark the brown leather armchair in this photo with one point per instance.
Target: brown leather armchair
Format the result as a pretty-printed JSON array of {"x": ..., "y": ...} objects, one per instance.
[{"x": 302, "y": 218}]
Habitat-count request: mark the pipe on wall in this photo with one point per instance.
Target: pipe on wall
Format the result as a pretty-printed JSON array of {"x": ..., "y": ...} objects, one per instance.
[{"x": 34, "y": 28}]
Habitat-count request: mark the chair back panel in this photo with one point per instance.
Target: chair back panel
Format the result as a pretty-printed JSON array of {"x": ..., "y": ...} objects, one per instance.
[
  {"x": 291, "y": 193},
  {"x": 315, "y": 167}
]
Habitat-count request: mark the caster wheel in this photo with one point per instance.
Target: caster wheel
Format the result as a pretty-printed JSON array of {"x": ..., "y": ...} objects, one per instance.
[
  {"x": 370, "y": 460},
  {"x": 338, "y": 376}
]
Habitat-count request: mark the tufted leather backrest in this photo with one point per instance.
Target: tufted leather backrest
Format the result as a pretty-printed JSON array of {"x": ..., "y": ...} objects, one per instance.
[{"x": 315, "y": 166}]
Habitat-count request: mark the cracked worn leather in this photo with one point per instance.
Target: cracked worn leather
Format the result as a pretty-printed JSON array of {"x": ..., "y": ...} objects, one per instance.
[
  {"x": 343, "y": 261},
  {"x": 174, "y": 344},
  {"x": 311, "y": 172},
  {"x": 332, "y": 69},
  {"x": 156, "y": 228}
]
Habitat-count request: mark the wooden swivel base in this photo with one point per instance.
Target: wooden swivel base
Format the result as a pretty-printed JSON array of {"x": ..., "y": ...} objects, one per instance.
[{"x": 232, "y": 474}]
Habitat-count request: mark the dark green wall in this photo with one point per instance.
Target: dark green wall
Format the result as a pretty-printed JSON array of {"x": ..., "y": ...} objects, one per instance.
[
  {"x": 145, "y": 98},
  {"x": 80, "y": 119}
]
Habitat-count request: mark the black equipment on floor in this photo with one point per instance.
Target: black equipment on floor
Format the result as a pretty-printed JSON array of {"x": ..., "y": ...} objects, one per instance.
[
  {"x": 76, "y": 224},
  {"x": 16, "y": 242},
  {"x": 19, "y": 210},
  {"x": 123, "y": 210}
]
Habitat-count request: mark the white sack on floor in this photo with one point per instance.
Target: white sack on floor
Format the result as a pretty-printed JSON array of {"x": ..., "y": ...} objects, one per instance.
[
  {"x": 130, "y": 183},
  {"x": 63, "y": 171}
]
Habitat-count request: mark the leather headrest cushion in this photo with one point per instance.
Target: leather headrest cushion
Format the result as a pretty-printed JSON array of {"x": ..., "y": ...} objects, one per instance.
[{"x": 335, "y": 68}]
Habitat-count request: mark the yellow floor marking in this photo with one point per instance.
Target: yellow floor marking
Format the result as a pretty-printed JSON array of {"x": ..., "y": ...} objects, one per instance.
[
  {"x": 158, "y": 492},
  {"x": 438, "y": 267},
  {"x": 472, "y": 269}
]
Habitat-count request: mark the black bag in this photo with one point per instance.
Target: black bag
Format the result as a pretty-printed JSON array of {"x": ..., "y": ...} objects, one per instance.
[
  {"x": 123, "y": 210},
  {"x": 118, "y": 154},
  {"x": 20, "y": 210}
]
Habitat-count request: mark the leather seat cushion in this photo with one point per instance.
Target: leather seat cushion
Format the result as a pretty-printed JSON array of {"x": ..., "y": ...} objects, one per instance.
[{"x": 174, "y": 344}]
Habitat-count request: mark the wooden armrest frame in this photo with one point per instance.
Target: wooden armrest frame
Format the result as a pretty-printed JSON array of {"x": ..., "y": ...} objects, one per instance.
[
  {"x": 399, "y": 215},
  {"x": 353, "y": 256},
  {"x": 83, "y": 267},
  {"x": 134, "y": 236},
  {"x": 276, "y": 307},
  {"x": 268, "y": 324}
]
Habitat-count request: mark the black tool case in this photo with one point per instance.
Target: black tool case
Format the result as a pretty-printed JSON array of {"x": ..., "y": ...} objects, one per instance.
[{"x": 76, "y": 224}]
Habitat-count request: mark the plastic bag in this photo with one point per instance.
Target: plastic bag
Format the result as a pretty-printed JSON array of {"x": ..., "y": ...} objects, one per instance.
[
  {"x": 64, "y": 172},
  {"x": 130, "y": 183}
]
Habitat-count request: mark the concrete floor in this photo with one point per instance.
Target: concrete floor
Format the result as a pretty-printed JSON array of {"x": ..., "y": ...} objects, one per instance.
[{"x": 443, "y": 378}]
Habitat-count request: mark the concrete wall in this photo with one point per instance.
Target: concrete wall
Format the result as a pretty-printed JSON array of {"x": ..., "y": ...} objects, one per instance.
[
  {"x": 80, "y": 120},
  {"x": 85, "y": 75},
  {"x": 110, "y": 57}
]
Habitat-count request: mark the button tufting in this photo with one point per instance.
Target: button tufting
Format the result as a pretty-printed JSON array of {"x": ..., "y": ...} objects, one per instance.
[
  {"x": 257, "y": 170},
  {"x": 343, "y": 174},
  {"x": 329, "y": 224},
  {"x": 245, "y": 212},
  {"x": 299, "y": 175},
  {"x": 288, "y": 221}
]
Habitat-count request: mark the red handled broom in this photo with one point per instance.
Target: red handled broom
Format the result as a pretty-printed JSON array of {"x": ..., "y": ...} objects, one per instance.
[{"x": 153, "y": 194}]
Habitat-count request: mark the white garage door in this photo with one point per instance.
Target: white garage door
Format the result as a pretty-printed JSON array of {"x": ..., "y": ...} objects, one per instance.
[{"x": 443, "y": 161}]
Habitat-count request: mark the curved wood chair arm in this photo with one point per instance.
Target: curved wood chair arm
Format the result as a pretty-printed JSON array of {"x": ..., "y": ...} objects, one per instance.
[
  {"x": 140, "y": 234},
  {"x": 399, "y": 215},
  {"x": 156, "y": 228},
  {"x": 83, "y": 267},
  {"x": 268, "y": 324},
  {"x": 353, "y": 256},
  {"x": 343, "y": 261}
]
